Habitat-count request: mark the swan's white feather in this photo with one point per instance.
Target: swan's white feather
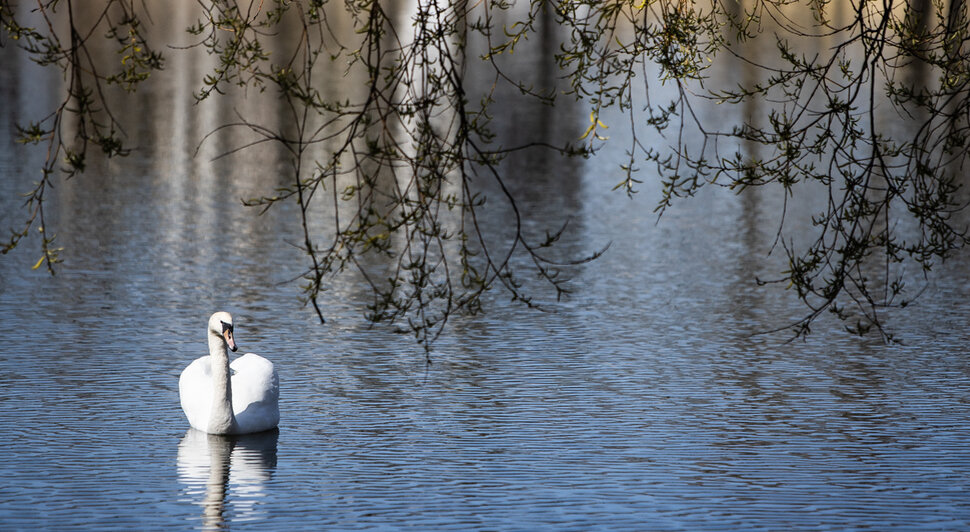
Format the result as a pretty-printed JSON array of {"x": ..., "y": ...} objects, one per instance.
[
  {"x": 255, "y": 393},
  {"x": 195, "y": 392}
]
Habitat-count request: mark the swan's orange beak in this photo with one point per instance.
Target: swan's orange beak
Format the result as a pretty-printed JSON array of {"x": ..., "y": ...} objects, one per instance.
[{"x": 227, "y": 334}]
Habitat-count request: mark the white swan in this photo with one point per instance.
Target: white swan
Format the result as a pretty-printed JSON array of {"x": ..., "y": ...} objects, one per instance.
[{"x": 222, "y": 398}]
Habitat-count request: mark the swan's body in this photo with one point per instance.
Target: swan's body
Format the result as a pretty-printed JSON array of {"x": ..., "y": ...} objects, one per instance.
[{"x": 222, "y": 398}]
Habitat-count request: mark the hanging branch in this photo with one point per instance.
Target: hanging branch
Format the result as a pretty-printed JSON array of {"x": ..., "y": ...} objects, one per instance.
[
  {"x": 399, "y": 165},
  {"x": 84, "y": 117}
]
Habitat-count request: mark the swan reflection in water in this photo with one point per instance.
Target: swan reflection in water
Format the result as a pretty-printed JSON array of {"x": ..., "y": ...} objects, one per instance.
[{"x": 211, "y": 467}]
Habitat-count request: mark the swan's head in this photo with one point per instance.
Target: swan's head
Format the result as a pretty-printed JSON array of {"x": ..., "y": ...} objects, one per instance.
[{"x": 220, "y": 324}]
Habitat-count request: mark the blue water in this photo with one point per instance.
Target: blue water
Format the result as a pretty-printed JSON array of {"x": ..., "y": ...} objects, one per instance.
[{"x": 647, "y": 400}]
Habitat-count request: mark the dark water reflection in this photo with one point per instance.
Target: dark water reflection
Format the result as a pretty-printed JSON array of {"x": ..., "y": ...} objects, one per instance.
[{"x": 645, "y": 402}]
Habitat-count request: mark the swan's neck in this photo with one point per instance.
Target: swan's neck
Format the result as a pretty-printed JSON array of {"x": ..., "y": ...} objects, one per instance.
[{"x": 221, "y": 419}]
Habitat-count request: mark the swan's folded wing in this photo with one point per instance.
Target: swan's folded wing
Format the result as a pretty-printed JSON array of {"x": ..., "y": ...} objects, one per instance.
[
  {"x": 255, "y": 393},
  {"x": 195, "y": 392}
]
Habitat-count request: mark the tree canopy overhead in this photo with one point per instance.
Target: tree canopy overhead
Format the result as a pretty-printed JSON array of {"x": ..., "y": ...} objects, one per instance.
[{"x": 402, "y": 165}]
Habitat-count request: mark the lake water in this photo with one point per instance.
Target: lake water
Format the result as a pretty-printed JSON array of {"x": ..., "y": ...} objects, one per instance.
[{"x": 646, "y": 401}]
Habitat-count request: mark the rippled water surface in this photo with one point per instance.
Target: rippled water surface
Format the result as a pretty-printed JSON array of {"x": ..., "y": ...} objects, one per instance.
[{"x": 646, "y": 401}]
